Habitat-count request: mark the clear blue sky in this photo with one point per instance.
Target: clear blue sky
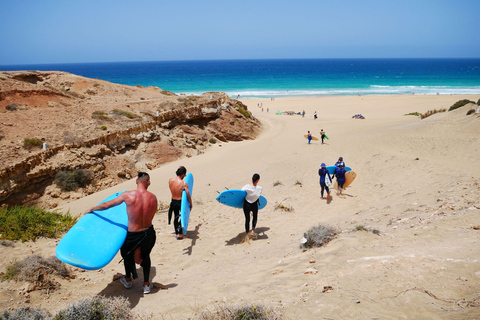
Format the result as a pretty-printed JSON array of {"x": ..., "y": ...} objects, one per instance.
[{"x": 62, "y": 31}]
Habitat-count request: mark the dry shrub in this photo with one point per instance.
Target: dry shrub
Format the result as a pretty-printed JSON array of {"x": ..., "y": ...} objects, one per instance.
[
  {"x": 98, "y": 307},
  {"x": 318, "y": 236},
  {"x": 240, "y": 312},
  {"x": 37, "y": 271},
  {"x": 26, "y": 313},
  {"x": 95, "y": 308}
]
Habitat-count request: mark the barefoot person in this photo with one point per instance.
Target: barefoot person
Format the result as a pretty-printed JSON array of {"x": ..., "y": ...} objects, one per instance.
[
  {"x": 141, "y": 208},
  {"x": 177, "y": 185},
  {"x": 250, "y": 204}
]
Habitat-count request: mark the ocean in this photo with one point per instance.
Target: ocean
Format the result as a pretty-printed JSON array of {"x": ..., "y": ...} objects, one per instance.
[{"x": 288, "y": 77}]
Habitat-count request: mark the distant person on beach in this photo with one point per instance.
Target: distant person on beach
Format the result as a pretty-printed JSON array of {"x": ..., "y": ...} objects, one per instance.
[
  {"x": 177, "y": 185},
  {"x": 315, "y": 115},
  {"x": 323, "y": 173},
  {"x": 309, "y": 137},
  {"x": 322, "y": 135},
  {"x": 250, "y": 204},
  {"x": 340, "y": 176},
  {"x": 303, "y": 114},
  {"x": 141, "y": 208}
]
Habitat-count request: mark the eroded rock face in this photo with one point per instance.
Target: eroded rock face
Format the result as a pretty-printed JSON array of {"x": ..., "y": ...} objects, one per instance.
[{"x": 113, "y": 130}]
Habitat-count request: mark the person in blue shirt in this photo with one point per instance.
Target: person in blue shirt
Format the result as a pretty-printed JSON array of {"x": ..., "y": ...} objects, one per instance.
[
  {"x": 324, "y": 175},
  {"x": 340, "y": 175},
  {"x": 309, "y": 137}
]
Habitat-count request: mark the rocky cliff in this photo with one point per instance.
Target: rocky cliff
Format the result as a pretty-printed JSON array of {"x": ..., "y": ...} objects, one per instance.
[{"x": 56, "y": 121}]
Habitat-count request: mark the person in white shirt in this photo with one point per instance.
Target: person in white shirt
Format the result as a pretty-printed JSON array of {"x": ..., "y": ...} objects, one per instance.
[{"x": 250, "y": 204}]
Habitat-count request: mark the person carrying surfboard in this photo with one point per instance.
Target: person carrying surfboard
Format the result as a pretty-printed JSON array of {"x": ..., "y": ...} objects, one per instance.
[
  {"x": 141, "y": 208},
  {"x": 322, "y": 135},
  {"x": 250, "y": 204},
  {"x": 177, "y": 185},
  {"x": 324, "y": 175},
  {"x": 340, "y": 175},
  {"x": 309, "y": 137}
]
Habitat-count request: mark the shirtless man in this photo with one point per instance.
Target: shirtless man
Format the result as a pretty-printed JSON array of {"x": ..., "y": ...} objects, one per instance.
[
  {"x": 141, "y": 208},
  {"x": 177, "y": 185}
]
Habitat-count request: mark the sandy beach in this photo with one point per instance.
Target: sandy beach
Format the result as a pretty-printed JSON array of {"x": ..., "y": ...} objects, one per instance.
[{"x": 418, "y": 184}]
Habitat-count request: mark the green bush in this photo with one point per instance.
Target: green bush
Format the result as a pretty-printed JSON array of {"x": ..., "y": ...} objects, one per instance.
[
  {"x": 100, "y": 115},
  {"x": 212, "y": 140},
  {"x": 32, "y": 143},
  {"x": 318, "y": 236},
  {"x": 70, "y": 181},
  {"x": 28, "y": 223},
  {"x": 418, "y": 114},
  {"x": 127, "y": 114},
  {"x": 460, "y": 104},
  {"x": 469, "y": 112},
  {"x": 243, "y": 111},
  {"x": 103, "y": 128}
]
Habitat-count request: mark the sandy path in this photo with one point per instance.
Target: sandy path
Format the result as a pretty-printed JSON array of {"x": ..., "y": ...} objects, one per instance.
[{"x": 424, "y": 264}]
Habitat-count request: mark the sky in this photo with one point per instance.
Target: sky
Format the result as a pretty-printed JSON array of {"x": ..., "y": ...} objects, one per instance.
[{"x": 59, "y": 31}]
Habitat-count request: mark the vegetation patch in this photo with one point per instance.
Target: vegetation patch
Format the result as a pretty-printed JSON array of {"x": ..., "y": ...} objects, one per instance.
[
  {"x": 277, "y": 183},
  {"x": 29, "y": 223},
  {"x": 212, "y": 140},
  {"x": 101, "y": 115},
  {"x": 126, "y": 114},
  {"x": 460, "y": 104},
  {"x": 37, "y": 271},
  {"x": 283, "y": 207},
  {"x": 240, "y": 312},
  {"x": 431, "y": 112},
  {"x": 471, "y": 111},
  {"x": 363, "y": 228},
  {"x": 95, "y": 308},
  {"x": 70, "y": 181},
  {"x": 318, "y": 236},
  {"x": 243, "y": 111},
  {"x": 418, "y": 114},
  {"x": 31, "y": 143},
  {"x": 103, "y": 127}
]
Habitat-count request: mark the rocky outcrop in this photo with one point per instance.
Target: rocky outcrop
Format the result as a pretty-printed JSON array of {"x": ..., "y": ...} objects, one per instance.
[{"x": 145, "y": 130}]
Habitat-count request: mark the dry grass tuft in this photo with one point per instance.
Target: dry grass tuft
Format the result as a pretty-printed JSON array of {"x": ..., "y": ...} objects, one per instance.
[
  {"x": 240, "y": 312},
  {"x": 318, "y": 236},
  {"x": 39, "y": 272}
]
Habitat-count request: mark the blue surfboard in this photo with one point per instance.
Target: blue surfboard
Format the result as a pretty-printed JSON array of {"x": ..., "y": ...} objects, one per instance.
[
  {"x": 96, "y": 238},
  {"x": 185, "y": 206},
  {"x": 331, "y": 169},
  {"x": 234, "y": 198}
]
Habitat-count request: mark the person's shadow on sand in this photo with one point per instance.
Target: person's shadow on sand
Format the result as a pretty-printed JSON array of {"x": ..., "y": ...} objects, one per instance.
[
  {"x": 240, "y": 238},
  {"x": 116, "y": 289},
  {"x": 194, "y": 236}
]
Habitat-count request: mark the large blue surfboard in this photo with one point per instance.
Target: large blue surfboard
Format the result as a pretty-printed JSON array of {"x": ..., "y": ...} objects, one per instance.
[
  {"x": 331, "y": 169},
  {"x": 185, "y": 206},
  {"x": 234, "y": 198},
  {"x": 96, "y": 238}
]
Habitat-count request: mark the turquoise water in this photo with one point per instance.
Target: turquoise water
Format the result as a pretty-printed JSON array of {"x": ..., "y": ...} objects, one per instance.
[{"x": 293, "y": 77}]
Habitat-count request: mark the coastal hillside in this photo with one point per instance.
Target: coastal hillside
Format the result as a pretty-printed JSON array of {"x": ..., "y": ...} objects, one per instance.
[{"x": 54, "y": 122}]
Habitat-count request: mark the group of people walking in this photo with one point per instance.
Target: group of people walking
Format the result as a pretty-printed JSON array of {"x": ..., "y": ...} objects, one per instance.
[
  {"x": 141, "y": 208},
  {"x": 326, "y": 179}
]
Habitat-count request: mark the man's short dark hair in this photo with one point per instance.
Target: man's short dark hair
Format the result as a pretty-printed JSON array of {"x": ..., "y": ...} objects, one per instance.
[
  {"x": 181, "y": 170},
  {"x": 143, "y": 176},
  {"x": 255, "y": 177}
]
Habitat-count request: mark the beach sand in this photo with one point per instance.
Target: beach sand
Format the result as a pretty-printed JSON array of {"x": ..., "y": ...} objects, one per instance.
[{"x": 417, "y": 184}]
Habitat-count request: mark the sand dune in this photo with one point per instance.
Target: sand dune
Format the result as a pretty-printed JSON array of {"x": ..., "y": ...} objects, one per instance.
[{"x": 417, "y": 184}]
